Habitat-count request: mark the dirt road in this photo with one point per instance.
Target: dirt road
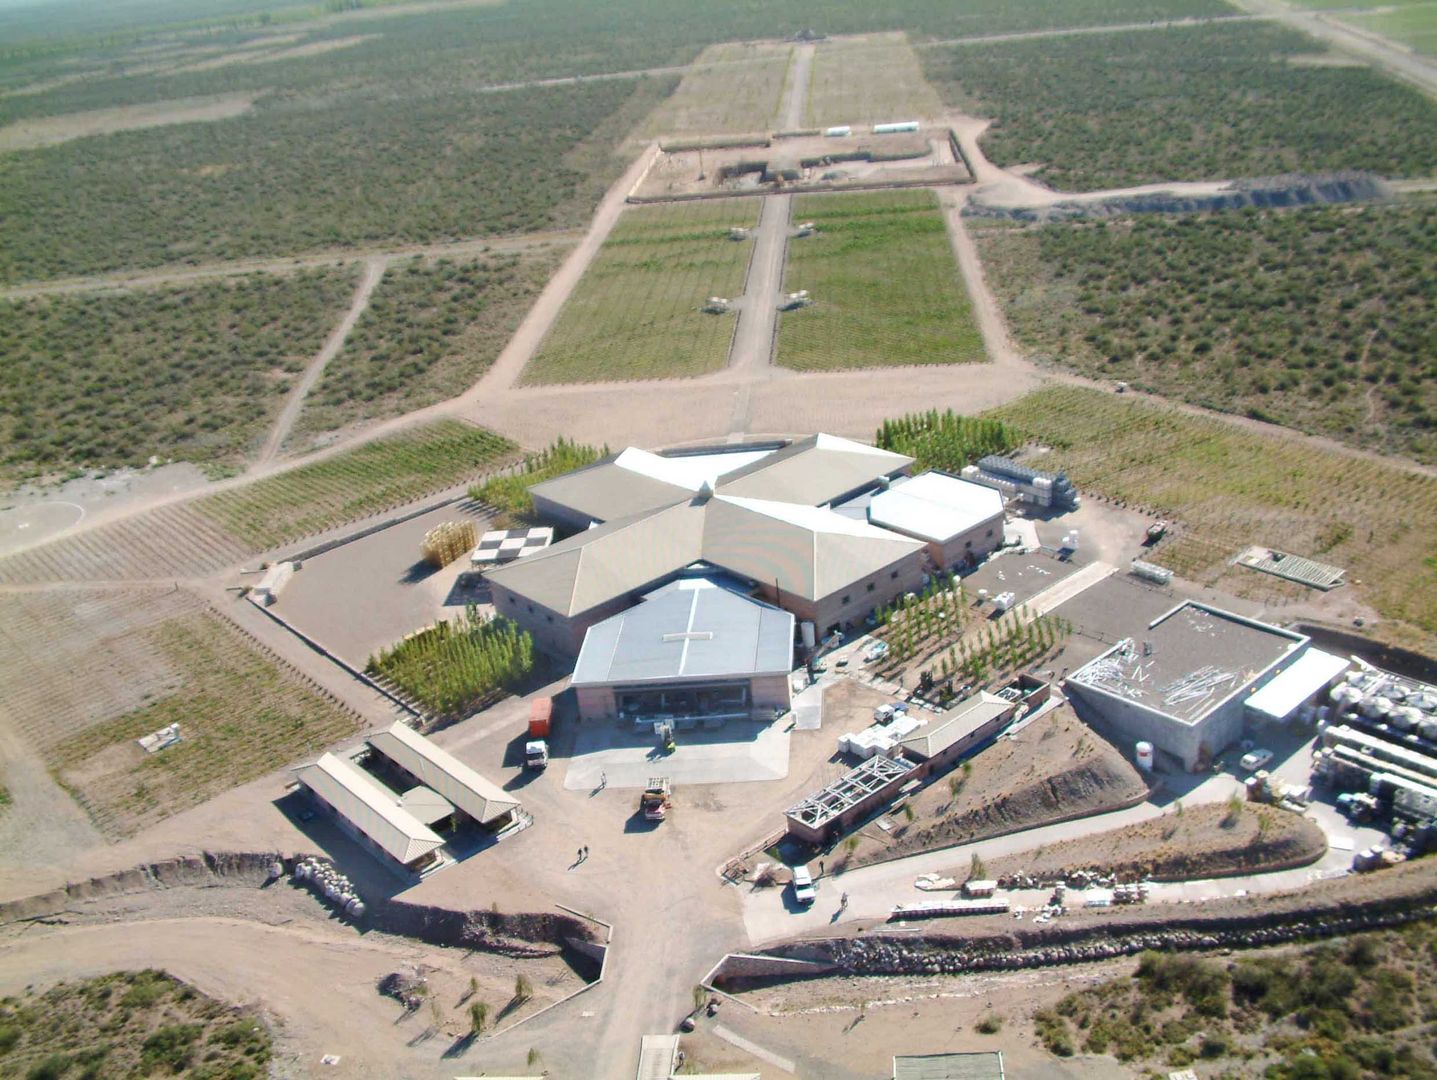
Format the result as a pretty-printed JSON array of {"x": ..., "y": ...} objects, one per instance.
[
  {"x": 794, "y": 104},
  {"x": 284, "y": 423}
]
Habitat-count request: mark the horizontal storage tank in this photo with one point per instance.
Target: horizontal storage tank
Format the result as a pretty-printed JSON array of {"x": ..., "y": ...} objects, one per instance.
[
  {"x": 839, "y": 132},
  {"x": 896, "y": 128}
]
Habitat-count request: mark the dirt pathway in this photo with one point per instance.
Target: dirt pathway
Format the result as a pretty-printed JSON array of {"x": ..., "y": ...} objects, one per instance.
[
  {"x": 794, "y": 105},
  {"x": 752, "y": 348},
  {"x": 525, "y": 343},
  {"x": 284, "y": 423},
  {"x": 1075, "y": 31},
  {"x": 181, "y": 275},
  {"x": 997, "y": 342}
]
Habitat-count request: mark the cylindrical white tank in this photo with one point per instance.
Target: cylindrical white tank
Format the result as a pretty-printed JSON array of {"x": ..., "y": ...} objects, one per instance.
[
  {"x": 1428, "y": 729},
  {"x": 1145, "y": 756}
]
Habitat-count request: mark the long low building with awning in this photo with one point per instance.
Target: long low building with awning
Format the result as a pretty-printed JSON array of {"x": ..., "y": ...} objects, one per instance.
[
  {"x": 1299, "y": 683},
  {"x": 370, "y": 812}
]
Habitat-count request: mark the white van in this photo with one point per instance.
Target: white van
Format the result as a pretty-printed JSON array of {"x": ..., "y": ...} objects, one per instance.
[{"x": 804, "y": 890}]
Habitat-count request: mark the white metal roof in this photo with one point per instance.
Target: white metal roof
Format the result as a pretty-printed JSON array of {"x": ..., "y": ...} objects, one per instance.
[
  {"x": 372, "y": 808},
  {"x": 444, "y": 773},
  {"x": 1309, "y": 673},
  {"x": 935, "y": 507},
  {"x": 687, "y": 470}
]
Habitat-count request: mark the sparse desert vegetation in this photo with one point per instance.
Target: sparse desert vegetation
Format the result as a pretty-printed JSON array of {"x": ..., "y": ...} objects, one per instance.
[
  {"x": 129, "y": 1023},
  {"x": 196, "y": 373},
  {"x": 1354, "y": 1008},
  {"x": 240, "y": 716},
  {"x": 356, "y": 483},
  {"x": 1228, "y": 487},
  {"x": 868, "y": 80},
  {"x": 431, "y": 329},
  {"x": 1194, "y": 103},
  {"x": 638, "y": 312},
  {"x": 1318, "y": 319},
  {"x": 884, "y": 284}
]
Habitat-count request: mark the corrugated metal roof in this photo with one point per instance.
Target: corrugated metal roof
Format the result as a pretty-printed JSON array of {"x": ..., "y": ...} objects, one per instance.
[
  {"x": 441, "y": 771},
  {"x": 979, "y": 1065},
  {"x": 1306, "y": 675},
  {"x": 612, "y": 560},
  {"x": 694, "y": 631},
  {"x": 967, "y": 717},
  {"x": 372, "y": 808},
  {"x": 808, "y": 551},
  {"x": 935, "y": 506},
  {"x": 814, "y": 471}
]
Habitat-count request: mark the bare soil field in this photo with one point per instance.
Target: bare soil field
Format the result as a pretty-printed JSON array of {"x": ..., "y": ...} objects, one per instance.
[
  {"x": 736, "y": 87},
  {"x": 1054, "y": 768},
  {"x": 868, "y": 80},
  {"x": 52, "y": 130},
  {"x": 1205, "y": 841}
]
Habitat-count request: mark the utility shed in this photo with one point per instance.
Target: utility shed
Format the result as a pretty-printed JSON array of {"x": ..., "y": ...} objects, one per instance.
[
  {"x": 1304, "y": 679},
  {"x": 369, "y": 812},
  {"x": 692, "y": 649},
  {"x": 441, "y": 772},
  {"x": 960, "y": 521},
  {"x": 945, "y": 741},
  {"x": 829, "y": 813},
  {"x": 982, "y": 1065}
]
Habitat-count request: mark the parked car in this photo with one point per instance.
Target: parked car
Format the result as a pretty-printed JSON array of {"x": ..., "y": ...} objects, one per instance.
[
  {"x": 804, "y": 890},
  {"x": 1255, "y": 759}
]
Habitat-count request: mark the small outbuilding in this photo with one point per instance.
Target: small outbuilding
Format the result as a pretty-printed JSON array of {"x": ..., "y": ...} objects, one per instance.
[{"x": 942, "y": 743}]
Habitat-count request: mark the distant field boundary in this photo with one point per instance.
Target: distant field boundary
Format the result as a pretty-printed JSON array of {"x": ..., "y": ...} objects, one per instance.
[{"x": 801, "y": 189}]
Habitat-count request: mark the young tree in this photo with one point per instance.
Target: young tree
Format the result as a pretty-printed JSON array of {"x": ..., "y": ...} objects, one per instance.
[
  {"x": 523, "y": 988},
  {"x": 478, "y": 1017}
]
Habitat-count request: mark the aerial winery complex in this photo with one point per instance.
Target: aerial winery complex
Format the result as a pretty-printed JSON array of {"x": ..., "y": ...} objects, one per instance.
[{"x": 604, "y": 540}]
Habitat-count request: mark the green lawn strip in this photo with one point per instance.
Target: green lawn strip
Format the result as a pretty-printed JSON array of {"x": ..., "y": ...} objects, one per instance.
[
  {"x": 638, "y": 312},
  {"x": 885, "y": 286},
  {"x": 370, "y": 478}
]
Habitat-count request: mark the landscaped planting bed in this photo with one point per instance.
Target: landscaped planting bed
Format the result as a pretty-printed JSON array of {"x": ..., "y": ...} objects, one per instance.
[
  {"x": 240, "y": 716},
  {"x": 1226, "y": 487},
  {"x": 884, "y": 284},
  {"x": 457, "y": 666},
  {"x": 366, "y": 480},
  {"x": 1319, "y": 319},
  {"x": 1201, "y": 102},
  {"x": 638, "y": 312}
]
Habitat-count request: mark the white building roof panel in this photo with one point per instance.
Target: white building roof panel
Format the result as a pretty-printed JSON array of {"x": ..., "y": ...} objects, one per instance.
[
  {"x": 935, "y": 507},
  {"x": 371, "y": 807},
  {"x": 1288, "y": 689}
]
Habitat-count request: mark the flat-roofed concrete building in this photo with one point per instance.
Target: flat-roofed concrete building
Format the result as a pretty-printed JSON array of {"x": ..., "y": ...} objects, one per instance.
[
  {"x": 961, "y": 522},
  {"x": 692, "y": 650},
  {"x": 765, "y": 522},
  {"x": 1182, "y": 683}
]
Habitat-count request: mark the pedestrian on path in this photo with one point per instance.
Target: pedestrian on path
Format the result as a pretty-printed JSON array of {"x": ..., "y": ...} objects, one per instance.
[
  {"x": 580, "y": 856},
  {"x": 843, "y": 903},
  {"x": 603, "y": 779}
]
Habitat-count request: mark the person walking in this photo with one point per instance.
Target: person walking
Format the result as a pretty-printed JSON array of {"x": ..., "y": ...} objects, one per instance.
[{"x": 843, "y": 903}]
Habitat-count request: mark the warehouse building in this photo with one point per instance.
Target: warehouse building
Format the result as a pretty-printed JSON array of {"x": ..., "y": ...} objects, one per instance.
[
  {"x": 1183, "y": 683},
  {"x": 692, "y": 652},
  {"x": 398, "y": 792},
  {"x": 763, "y": 517},
  {"x": 942, "y": 743}
]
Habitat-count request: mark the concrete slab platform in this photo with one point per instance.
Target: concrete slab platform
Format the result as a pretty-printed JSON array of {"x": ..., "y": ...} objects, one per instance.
[{"x": 740, "y": 751}]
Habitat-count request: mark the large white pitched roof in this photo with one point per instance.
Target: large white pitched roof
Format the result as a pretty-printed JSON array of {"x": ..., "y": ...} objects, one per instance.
[{"x": 935, "y": 506}]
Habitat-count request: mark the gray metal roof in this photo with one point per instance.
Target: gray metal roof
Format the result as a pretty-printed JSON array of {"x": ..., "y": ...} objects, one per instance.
[
  {"x": 978, "y": 1065},
  {"x": 372, "y": 808},
  {"x": 814, "y": 471},
  {"x": 694, "y": 630},
  {"x": 606, "y": 491},
  {"x": 965, "y": 718},
  {"x": 443, "y": 773}
]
